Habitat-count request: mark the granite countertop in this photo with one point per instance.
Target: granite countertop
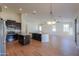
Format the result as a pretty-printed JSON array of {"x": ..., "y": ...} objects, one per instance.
[
  {"x": 41, "y": 33},
  {"x": 22, "y": 34}
]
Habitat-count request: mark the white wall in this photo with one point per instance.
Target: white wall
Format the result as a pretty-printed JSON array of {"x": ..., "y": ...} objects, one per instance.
[
  {"x": 10, "y": 15},
  {"x": 31, "y": 22},
  {"x": 59, "y": 27}
]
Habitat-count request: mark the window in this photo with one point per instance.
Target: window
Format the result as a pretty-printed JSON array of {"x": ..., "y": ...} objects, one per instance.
[
  {"x": 54, "y": 28},
  {"x": 66, "y": 27},
  {"x": 40, "y": 28}
]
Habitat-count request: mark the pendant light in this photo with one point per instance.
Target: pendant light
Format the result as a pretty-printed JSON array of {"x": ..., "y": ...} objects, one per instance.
[{"x": 51, "y": 20}]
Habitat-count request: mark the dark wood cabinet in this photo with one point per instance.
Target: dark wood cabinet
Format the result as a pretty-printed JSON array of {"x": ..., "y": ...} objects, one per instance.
[
  {"x": 18, "y": 25},
  {"x": 36, "y": 36},
  {"x": 13, "y": 24},
  {"x": 10, "y": 23},
  {"x": 24, "y": 39}
]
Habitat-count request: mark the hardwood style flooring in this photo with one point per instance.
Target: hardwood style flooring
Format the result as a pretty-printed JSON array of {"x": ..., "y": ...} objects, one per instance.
[{"x": 57, "y": 46}]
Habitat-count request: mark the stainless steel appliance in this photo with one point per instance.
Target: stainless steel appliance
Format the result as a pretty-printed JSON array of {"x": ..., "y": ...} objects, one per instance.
[{"x": 2, "y": 38}]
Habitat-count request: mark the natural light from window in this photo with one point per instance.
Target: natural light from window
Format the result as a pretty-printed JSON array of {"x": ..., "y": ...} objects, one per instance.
[
  {"x": 40, "y": 28},
  {"x": 54, "y": 28},
  {"x": 66, "y": 27}
]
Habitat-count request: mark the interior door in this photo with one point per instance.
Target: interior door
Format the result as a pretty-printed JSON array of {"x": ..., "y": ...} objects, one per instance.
[{"x": 2, "y": 40}]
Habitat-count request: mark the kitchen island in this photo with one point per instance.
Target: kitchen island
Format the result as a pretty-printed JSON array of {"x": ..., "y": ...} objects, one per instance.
[
  {"x": 42, "y": 37},
  {"x": 23, "y": 39}
]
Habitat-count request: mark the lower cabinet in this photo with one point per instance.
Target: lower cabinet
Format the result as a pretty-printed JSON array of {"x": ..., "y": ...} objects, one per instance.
[
  {"x": 36, "y": 36},
  {"x": 24, "y": 39},
  {"x": 10, "y": 38}
]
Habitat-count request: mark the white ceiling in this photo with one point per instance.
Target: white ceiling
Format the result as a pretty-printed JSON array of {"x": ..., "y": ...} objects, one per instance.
[{"x": 59, "y": 9}]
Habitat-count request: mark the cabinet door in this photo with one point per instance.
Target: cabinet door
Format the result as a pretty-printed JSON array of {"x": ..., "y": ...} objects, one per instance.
[
  {"x": 2, "y": 44},
  {"x": 11, "y": 23}
]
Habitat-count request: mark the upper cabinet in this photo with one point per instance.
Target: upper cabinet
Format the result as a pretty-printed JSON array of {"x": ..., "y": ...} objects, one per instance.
[
  {"x": 13, "y": 24},
  {"x": 18, "y": 25}
]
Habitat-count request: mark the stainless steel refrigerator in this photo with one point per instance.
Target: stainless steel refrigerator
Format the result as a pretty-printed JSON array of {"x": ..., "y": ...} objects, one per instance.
[{"x": 2, "y": 38}]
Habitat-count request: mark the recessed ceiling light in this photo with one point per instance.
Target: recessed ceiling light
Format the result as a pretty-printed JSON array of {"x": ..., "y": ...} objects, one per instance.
[
  {"x": 49, "y": 23},
  {"x": 5, "y": 7},
  {"x": 34, "y": 12},
  {"x": 20, "y": 9}
]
